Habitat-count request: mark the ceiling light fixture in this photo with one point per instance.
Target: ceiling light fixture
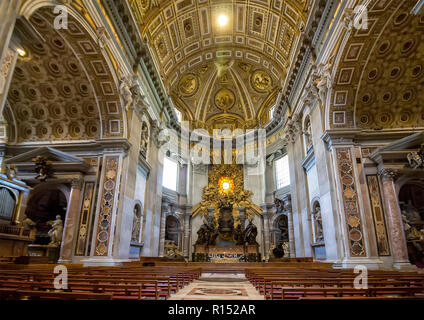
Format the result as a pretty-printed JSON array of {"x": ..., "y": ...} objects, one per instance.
[
  {"x": 21, "y": 52},
  {"x": 222, "y": 20}
]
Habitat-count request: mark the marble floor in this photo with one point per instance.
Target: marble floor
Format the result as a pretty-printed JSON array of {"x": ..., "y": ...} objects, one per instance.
[{"x": 218, "y": 286}]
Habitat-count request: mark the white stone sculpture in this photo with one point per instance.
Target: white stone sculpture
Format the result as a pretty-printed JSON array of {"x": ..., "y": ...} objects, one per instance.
[{"x": 56, "y": 232}]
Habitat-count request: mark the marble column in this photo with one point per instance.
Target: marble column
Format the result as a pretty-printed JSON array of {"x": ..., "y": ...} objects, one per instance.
[
  {"x": 71, "y": 222},
  {"x": 288, "y": 207},
  {"x": 394, "y": 219},
  {"x": 187, "y": 216},
  {"x": 165, "y": 211},
  {"x": 265, "y": 215}
]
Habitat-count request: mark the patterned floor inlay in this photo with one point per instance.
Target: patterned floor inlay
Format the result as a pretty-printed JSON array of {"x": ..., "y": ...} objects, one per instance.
[
  {"x": 217, "y": 292},
  {"x": 226, "y": 287}
]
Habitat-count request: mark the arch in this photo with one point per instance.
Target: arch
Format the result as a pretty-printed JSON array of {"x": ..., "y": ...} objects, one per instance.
[
  {"x": 173, "y": 230},
  {"x": 411, "y": 203},
  {"x": 364, "y": 95},
  {"x": 280, "y": 232},
  {"x": 45, "y": 202},
  {"x": 98, "y": 66}
]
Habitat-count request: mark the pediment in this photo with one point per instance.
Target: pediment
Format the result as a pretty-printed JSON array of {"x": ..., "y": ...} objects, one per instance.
[
  {"x": 51, "y": 154},
  {"x": 60, "y": 161},
  {"x": 396, "y": 152}
]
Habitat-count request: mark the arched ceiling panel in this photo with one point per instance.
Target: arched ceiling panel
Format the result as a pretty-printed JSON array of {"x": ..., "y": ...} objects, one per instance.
[
  {"x": 64, "y": 89},
  {"x": 217, "y": 69},
  {"x": 378, "y": 79}
]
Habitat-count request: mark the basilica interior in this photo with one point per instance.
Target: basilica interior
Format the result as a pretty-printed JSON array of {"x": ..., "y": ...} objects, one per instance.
[{"x": 255, "y": 137}]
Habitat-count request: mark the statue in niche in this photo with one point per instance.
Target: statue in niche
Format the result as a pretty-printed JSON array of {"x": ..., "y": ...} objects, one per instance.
[
  {"x": 135, "y": 235},
  {"x": 279, "y": 204},
  {"x": 308, "y": 134},
  {"x": 284, "y": 230},
  {"x": 319, "y": 236},
  {"x": 125, "y": 92},
  {"x": 250, "y": 233},
  {"x": 56, "y": 232}
]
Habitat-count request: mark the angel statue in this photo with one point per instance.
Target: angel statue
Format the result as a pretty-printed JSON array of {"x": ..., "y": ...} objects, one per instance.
[
  {"x": 125, "y": 92},
  {"x": 56, "y": 232},
  {"x": 415, "y": 159}
]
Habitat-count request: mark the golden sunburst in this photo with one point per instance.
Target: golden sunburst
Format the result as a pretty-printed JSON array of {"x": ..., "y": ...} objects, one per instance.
[{"x": 225, "y": 185}]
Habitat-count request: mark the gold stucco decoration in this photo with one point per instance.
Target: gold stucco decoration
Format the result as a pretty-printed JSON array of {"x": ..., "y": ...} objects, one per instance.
[
  {"x": 224, "y": 99},
  {"x": 261, "y": 81},
  {"x": 188, "y": 84}
]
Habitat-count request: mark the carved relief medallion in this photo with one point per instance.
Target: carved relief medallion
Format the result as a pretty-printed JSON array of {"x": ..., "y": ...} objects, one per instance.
[
  {"x": 188, "y": 84},
  {"x": 261, "y": 81},
  {"x": 224, "y": 99}
]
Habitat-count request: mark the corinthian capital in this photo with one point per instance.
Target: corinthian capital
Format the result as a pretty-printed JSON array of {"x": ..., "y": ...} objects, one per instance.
[
  {"x": 388, "y": 174},
  {"x": 76, "y": 183}
]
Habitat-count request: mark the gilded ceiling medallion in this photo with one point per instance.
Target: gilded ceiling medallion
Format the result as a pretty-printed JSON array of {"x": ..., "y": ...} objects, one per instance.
[
  {"x": 188, "y": 84},
  {"x": 144, "y": 5},
  {"x": 261, "y": 81},
  {"x": 224, "y": 99}
]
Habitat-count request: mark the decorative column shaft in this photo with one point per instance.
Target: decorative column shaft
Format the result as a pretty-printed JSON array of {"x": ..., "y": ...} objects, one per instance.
[
  {"x": 265, "y": 215},
  {"x": 71, "y": 221},
  {"x": 394, "y": 218},
  {"x": 288, "y": 207},
  {"x": 187, "y": 215},
  {"x": 165, "y": 210}
]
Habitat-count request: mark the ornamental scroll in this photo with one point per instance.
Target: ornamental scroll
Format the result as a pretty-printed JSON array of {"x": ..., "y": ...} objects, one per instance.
[{"x": 226, "y": 188}]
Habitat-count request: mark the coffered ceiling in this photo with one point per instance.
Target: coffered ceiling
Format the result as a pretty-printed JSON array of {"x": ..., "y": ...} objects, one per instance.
[
  {"x": 378, "y": 80},
  {"x": 222, "y": 62}
]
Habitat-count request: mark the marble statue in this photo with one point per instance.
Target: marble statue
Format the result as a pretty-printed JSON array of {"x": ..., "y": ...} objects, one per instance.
[
  {"x": 411, "y": 213},
  {"x": 250, "y": 233},
  {"x": 56, "y": 232},
  {"x": 171, "y": 250},
  {"x": 239, "y": 235},
  {"x": 28, "y": 224},
  {"x": 416, "y": 159},
  {"x": 278, "y": 251},
  {"x": 318, "y": 224},
  {"x": 41, "y": 168},
  {"x": 203, "y": 234},
  {"x": 125, "y": 92}
]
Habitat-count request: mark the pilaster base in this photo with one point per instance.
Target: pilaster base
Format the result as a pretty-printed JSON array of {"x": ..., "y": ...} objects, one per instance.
[
  {"x": 404, "y": 266},
  {"x": 370, "y": 263},
  {"x": 98, "y": 262}
]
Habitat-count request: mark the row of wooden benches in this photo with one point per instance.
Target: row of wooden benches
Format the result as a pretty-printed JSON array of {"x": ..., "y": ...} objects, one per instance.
[
  {"x": 101, "y": 283},
  {"x": 318, "y": 283}
]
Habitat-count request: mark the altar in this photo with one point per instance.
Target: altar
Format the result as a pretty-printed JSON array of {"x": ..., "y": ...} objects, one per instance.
[{"x": 226, "y": 254}]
